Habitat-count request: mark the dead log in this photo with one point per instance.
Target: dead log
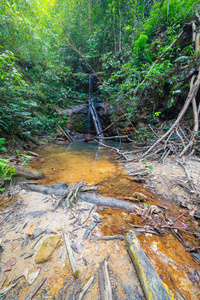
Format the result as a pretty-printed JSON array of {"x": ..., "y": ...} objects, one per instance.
[
  {"x": 108, "y": 201},
  {"x": 60, "y": 189},
  {"x": 28, "y": 174},
  {"x": 151, "y": 283}
]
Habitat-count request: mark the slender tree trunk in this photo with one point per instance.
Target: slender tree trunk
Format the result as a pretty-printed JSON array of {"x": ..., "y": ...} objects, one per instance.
[
  {"x": 167, "y": 10},
  {"x": 115, "y": 49},
  {"x": 120, "y": 30},
  {"x": 89, "y": 17}
]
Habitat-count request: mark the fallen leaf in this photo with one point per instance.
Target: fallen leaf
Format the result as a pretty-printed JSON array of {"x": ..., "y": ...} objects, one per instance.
[
  {"x": 114, "y": 228},
  {"x": 191, "y": 213},
  {"x": 31, "y": 229},
  {"x": 33, "y": 276},
  {"x": 8, "y": 265}
]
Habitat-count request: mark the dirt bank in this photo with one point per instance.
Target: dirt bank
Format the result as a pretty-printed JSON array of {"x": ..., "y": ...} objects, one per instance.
[{"x": 175, "y": 179}]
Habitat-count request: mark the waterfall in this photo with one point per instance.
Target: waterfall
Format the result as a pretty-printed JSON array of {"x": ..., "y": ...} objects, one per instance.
[{"x": 92, "y": 113}]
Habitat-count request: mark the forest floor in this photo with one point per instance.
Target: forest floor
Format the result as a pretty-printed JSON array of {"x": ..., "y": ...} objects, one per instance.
[
  {"x": 28, "y": 221},
  {"x": 170, "y": 179}
]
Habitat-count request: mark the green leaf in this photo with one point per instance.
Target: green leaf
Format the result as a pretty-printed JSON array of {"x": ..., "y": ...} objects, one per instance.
[{"x": 150, "y": 167}]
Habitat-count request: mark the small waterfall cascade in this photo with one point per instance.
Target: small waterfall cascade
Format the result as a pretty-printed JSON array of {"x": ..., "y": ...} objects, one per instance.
[{"x": 92, "y": 112}]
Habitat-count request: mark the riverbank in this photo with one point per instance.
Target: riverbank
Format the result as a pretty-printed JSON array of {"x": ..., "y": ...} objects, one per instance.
[
  {"x": 28, "y": 221},
  {"x": 177, "y": 180}
]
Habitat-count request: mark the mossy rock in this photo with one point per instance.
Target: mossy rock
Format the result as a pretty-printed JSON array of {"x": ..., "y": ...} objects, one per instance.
[
  {"x": 48, "y": 247},
  {"x": 79, "y": 122}
]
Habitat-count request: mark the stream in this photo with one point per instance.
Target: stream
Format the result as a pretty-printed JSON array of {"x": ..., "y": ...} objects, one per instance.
[
  {"x": 97, "y": 165},
  {"x": 72, "y": 163}
]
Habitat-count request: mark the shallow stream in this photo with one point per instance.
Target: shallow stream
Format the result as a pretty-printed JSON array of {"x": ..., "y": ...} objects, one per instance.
[
  {"x": 72, "y": 163},
  {"x": 76, "y": 161}
]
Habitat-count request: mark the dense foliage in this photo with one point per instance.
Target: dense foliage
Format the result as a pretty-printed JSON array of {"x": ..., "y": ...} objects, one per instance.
[{"x": 41, "y": 71}]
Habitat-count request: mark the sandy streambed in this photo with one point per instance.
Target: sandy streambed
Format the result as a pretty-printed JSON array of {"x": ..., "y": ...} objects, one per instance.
[{"x": 173, "y": 263}]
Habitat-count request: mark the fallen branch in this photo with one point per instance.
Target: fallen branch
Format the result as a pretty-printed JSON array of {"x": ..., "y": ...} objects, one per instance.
[
  {"x": 29, "y": 174},
  {"x": 86, "y": 287},
  {"x": 87, "y": 140},
  {"x": 65, "y": 133},
  {"x": 70, "y": 254},
  {"x": 104, "y": 282},
  {"x": 87, "y": 216},
  {"x": 187, "y": 175},
  {"x": 192, "y": 95},
  {"x": 108, "y": 201},
  {"x": 113, "y": 148},
  {"x": 40, "y": 284},
  {"x": 89, "y": 230},
  {"x": 108, "y": 238}
]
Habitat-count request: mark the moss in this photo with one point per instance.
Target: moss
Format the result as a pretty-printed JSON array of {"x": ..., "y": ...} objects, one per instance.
[{"x": 79, "y": 123}]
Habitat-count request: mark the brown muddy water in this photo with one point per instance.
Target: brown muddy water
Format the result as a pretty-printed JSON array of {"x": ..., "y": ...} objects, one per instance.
[{"x": 97, "y": 165}]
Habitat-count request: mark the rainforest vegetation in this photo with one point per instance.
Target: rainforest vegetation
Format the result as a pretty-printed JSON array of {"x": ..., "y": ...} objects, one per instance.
[{"x": 48, "y": 48}]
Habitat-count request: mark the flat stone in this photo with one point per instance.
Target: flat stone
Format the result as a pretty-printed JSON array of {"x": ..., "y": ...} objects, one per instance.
[{"x": 48, "y": 247}]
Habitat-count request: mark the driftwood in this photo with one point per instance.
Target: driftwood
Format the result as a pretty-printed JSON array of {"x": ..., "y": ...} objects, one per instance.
[
  {"x": 104, "y": 282},
  {"x": 120, "y": 153},
  {"x": 108, "y": 201},
  {"x": 65, "y": 133},
  {"x": 40, "y": 284},
  {"x": 70, "y": 254},
  {"x": 86, "y": 287},
  {"x": 60, "y": 188},
  {"x": 107, "y": 238},
  {"x": 57, "y": 189},
  {"x": 151, "y": 283},
  {"x": 28, "y": 174},
  {"x": 89, "y": 230}
]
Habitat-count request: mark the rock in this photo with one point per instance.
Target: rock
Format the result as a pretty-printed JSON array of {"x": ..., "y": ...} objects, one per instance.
[
  {"x": 75, "y": 109},
  {"x": 47, "y": 249}
]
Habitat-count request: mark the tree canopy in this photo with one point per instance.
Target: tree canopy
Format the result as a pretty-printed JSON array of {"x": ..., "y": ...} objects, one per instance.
[{"x": 41, "y": 66}]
